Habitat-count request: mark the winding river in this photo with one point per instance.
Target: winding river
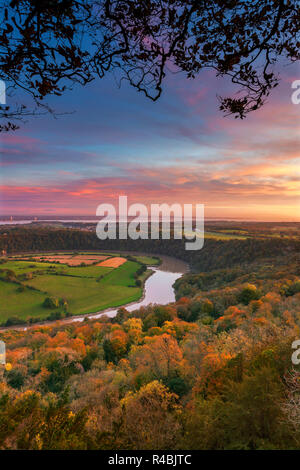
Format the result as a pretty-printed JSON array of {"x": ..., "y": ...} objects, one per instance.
[{"x": 157, "y": 290}]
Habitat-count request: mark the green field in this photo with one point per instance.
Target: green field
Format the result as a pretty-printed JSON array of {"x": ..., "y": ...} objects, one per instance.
[
  {"x": 219, "y": 235},
  {"x": 22, "y": 304},
  {"x": 23, "y": 267},
  {"x": 149, "y": 260},
  {"x": 224, "y": 236},
  {"x": 86, "y": 289}
]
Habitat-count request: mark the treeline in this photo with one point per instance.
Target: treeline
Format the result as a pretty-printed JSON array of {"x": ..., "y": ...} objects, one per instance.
[{"x": 215, "y": 254}]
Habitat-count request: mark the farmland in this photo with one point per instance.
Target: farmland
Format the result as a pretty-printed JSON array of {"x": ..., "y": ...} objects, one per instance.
[
  {"x": 222, "y": 235},
  {"x": 49, "y": 288}
]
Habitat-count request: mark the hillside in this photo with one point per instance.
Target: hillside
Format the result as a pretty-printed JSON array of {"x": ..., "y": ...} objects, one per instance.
[{"x": 211, "y": 371}]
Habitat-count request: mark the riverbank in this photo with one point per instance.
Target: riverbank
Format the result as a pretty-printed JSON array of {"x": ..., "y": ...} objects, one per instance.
[{"x": 157, "y": 289}]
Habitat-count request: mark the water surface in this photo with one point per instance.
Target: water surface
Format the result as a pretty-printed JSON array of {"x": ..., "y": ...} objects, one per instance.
[{"x": 158, "y": 288}]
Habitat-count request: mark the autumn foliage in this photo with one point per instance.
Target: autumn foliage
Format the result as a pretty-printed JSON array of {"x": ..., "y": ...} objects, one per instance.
[{"x": 211, "y": 371}]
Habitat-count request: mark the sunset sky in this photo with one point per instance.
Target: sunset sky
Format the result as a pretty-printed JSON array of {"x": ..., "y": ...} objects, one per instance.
[{"x": 179, "y": 149}]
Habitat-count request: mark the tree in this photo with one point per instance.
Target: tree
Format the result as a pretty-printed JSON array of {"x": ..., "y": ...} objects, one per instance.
[
  {"x": 246, "y": 415},
  {"x": 151, "y": 417},
  {"x": 115, "y": 346},
  {"x": 15, "y": 378},
  {"x": 27, "y": 422},
  {"x": 161, "y": 358},
  {"x": 51, "y": 45},
  {"x": 51, "y": 302},
  {"x": 248, "y": 293},
  {"x": 122, "y": 315},
  {"x": 291, "y": 405}
]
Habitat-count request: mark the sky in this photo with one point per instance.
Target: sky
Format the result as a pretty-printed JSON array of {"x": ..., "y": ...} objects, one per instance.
[{"x": 110, "y": 141}]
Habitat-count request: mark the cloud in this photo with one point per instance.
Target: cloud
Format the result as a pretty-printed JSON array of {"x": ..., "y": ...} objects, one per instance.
[
  {"x": 180, "y": 149},
  {"x": 259, "y": 185}
]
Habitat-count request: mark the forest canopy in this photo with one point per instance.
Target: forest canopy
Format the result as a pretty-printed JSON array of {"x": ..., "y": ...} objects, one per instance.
[{"x": 212, "y": 370}]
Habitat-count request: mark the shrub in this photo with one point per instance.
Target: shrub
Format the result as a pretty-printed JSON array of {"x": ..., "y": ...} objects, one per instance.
[
  {"x": 14, "y": 321},
  {"x": 51, "y": 302},
  {"x": 55, "y": 316},
  {"x": 248, "y": 293},
  {"x": 21, "y": 288},
  {"x": 291, "y": 289},
  {"x": 15, "y": 378}
]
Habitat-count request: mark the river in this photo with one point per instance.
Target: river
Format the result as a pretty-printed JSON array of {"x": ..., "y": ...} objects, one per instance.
[{"x": 157, "y": 290}]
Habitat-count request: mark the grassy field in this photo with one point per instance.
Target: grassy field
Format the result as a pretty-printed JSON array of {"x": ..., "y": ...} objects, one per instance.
[
  {"x": 23, "y": 304},
  {"x": 86, "y": 295},
  {"x": 23, "y": 267},
  {"x": 234, "y": 231},
  {"x": 86, "y": 289},
  {"x": 148, "y": 260},
  {"x": 224, "y": 236},
  {"x": 220, "y": 235}
]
